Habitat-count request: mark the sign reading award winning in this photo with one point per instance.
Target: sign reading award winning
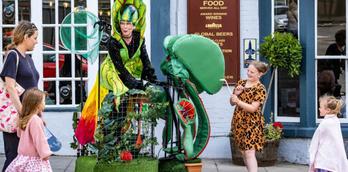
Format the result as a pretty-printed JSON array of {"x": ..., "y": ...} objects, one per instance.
[{"x": 219, "y": 21}]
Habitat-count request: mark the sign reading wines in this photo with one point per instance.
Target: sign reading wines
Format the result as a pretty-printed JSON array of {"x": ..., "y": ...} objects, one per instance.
[{"x": 219, "y": 21}]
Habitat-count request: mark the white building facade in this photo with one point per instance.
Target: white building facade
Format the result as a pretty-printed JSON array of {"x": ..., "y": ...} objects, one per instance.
[{"x": 293, "y": 100}]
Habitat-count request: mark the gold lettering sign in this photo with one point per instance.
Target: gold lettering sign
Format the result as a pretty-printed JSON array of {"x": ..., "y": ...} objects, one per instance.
[{"x": 219, "y": 21}]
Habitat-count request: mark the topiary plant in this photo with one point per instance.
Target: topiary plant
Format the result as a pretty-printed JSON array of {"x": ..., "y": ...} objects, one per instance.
[{"x": 282, "y": 50}]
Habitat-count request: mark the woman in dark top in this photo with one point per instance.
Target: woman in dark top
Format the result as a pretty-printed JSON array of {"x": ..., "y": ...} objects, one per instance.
[
  {"x": 24, "y": 39},
  {"x": 331, "y": 69}
]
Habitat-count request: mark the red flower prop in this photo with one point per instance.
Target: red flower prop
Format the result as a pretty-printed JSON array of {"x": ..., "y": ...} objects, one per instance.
[
  {"x": 126, "y": 156},
  {"x": 278, "y": 125}
]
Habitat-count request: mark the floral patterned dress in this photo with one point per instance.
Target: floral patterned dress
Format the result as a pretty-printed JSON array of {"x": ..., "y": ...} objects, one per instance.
[
  {"x": 29, "y": 164},
  {"x": 247, "y": 128}
]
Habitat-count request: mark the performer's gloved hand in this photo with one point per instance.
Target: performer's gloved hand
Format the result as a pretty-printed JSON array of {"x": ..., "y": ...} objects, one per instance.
[
  {"x": 105, "y": 39},
  {"x": 103, "y": 26},
  {"x": 149, "y": 75},
  {"x": 138, "y": 84},
  {"x": 152, "y": 78}
]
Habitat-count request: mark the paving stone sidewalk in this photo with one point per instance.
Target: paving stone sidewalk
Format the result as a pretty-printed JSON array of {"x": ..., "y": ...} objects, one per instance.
[{"x": 67, "y": 164}]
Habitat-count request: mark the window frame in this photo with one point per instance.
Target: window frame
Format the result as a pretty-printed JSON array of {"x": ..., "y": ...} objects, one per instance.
[
  {"x": 7, "y": 26},
  {"x": 318, "y": 57},
  {"x": 73, "y": 79},
  {"x": 275, "y": 101}
]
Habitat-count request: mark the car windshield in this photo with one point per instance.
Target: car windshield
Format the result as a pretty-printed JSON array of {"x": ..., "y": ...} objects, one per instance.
[{"x": 280, "y": 10}]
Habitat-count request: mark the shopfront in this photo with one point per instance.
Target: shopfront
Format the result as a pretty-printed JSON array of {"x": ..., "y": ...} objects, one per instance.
[
  {"x": 321, "y": 29},
  {"x": 65, "y": 76},
  {"x": 318, "y": 24}
]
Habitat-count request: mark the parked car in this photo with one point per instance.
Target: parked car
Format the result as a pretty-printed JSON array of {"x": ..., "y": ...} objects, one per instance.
[
  {"x": 281, "y": 17},
  {"x": 65, "y": 87}
]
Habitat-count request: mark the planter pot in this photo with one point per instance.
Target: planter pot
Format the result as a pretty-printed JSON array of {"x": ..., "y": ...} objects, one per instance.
[
  {"x": 193, "y": 167},
  {"x": 267, "y": 157}
]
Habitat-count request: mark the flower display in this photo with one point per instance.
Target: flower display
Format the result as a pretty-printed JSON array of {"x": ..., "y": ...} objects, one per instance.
[{"x": 273, "y": 130}]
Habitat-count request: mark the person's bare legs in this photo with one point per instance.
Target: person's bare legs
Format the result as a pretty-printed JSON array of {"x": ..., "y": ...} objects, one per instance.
[
  {"x": 244, "y": 159},
  {"x": 251, "y": 161}
]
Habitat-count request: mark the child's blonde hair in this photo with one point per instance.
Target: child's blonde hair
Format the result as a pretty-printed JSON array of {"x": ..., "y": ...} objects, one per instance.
[
  {"x": 260, "y": 66},
  {"x": 331, "y": 103},
  {"x": 32, "y": 100}
]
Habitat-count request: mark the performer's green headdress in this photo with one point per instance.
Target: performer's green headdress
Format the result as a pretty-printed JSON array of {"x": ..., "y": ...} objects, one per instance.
[
  {"x": 130, "y": 14},
  {"x": 128, "y": 10}
]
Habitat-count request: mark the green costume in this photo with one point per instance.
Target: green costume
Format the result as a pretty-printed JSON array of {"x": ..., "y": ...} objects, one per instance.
[{"x": 122, "y": 68}]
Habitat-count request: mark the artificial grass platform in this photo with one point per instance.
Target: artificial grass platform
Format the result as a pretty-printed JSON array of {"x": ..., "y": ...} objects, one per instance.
[
  {"x": 85, "y": 163},
  {"x": 89, "y": 164},
  {"x": 171, "y": 165}
]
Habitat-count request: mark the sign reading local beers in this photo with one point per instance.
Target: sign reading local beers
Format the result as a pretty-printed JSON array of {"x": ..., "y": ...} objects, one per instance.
[{"x": 219, "y": 21}]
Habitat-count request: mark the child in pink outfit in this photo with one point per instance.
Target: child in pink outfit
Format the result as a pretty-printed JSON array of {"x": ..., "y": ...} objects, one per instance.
[
  {"x": 33, "y": 149},
  {"x": 326, "y": 151}
]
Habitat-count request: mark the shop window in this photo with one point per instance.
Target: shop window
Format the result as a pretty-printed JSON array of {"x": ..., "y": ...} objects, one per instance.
[
  {"x": 50, "y": 89},
  {"x": 80, "y": 3},
  {"x": 49, "y": 43},
  {"x": 64, "y": 8},
  {"x": 8, "y": 13},
  {"x": 287, "y": 99},
  {"x": 48, "y": 12},
  {"x": 331, "y": 51},
  {"x": 104, "y": 13},
  {"x": 6, "y": 37},
  {"x": 64, "y": 72},
  {"x": 23, "y": 10},
  {"x": 12, "y": 12},
  {"x": 49, "y": 69}
]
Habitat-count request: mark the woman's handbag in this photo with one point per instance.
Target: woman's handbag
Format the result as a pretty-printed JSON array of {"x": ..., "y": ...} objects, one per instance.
[
  {"x": 8, "y": 112},
  {"x": 52, "y": 140}
]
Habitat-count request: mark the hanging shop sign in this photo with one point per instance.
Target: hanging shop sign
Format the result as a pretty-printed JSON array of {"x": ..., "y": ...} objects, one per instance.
[{"x": 219, "y": 21}]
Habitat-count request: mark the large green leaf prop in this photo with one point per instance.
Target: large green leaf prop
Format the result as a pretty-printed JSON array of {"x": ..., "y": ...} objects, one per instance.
[
  {"x": 197, "y": 63},
  {"x": 201, "y": 56}
]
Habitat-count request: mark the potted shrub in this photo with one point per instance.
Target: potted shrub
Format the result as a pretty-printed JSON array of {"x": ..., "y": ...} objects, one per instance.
[
  {"x": 273, "y": 133},
  {"x": 268, "y": 156}
]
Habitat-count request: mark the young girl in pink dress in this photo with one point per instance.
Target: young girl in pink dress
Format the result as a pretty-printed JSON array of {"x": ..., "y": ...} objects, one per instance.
[{"x": 33, "y": 149}]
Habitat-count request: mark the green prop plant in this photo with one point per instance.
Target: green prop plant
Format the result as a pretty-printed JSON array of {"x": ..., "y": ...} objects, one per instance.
[
  {"x": 107, "y": 148},
  {"x": 282, "y": 50}
]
